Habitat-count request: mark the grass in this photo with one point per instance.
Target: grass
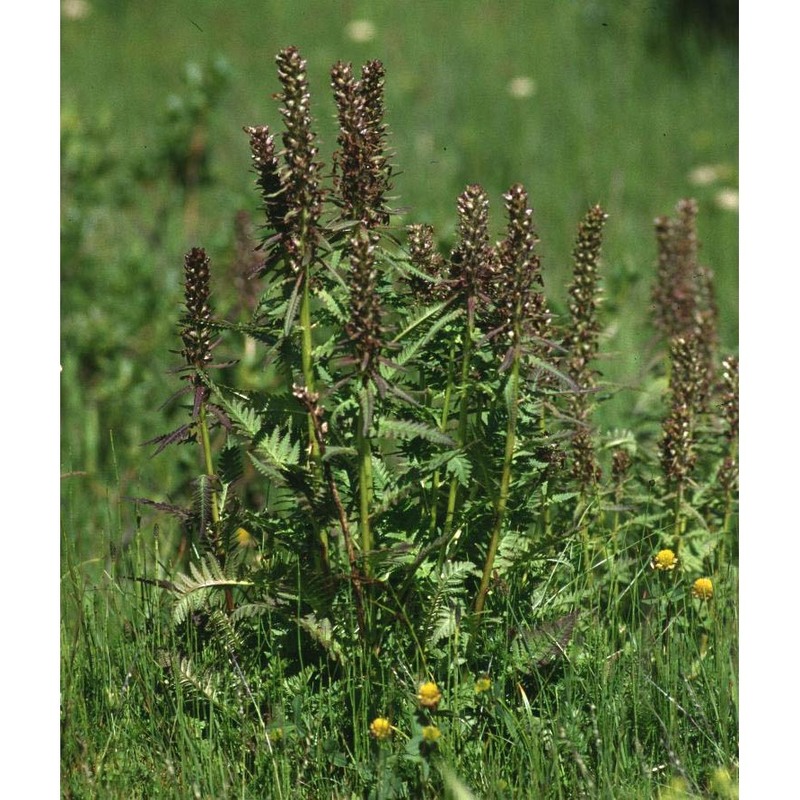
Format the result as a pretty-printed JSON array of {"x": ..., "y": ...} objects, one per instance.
[{"x": 162, "y": 703}]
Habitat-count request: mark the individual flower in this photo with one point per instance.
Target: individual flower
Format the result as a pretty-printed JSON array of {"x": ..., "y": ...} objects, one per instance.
[
  {"x": 703, "y": 589},
  {"x": 380, "y": 728},
  {"x": 727, "y": 199},
  {"x": 430, "y": 734},
  {"x": 706, "y": 174},
  {"x": 664, "y": 560},
  {"x": 360, "y": 31},
  {"x": 521, "y": 87},
  {"x": 244, "y": 538},
  {"x": 429, "y": 695},
  {"x": 483, "y": 684}
]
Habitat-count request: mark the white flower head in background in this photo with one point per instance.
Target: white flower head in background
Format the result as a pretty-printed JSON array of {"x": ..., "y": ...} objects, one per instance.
[
  {"x": 522, "y": 86},
  {"x": 727, "y": 199},
  {"x": 360, "y": 30},
  {"x": 75, "y": 9}
]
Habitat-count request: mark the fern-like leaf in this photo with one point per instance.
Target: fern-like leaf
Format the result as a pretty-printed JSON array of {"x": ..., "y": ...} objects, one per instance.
[
  {"x": 204, "y": 582},
  {"x": 405, "y": 429},
  {"x": 203, "y": 684},
  {"x": 229, "y": 464}
]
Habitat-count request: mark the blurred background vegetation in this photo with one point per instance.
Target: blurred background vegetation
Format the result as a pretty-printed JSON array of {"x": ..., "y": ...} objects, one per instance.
[{"x": 632, "y": 105}]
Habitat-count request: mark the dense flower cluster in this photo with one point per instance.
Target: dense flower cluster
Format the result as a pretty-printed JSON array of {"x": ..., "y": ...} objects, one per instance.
[
  {"x": 703, "y": 589},
  {"x": 664, "y": 560},
  {"x": 380, "y": 728},
  {"x": 431, "y": 734},
  {"x": 362, "y": 171},
  {"x": 429, "y": 695}
]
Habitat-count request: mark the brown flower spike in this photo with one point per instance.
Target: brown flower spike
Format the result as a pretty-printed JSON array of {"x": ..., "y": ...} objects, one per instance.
[
  {"x": 472, "y": 260},
  {"x": 361, "y": 169},
  {"x": 300, "y": 176},
  {"x": 517, "y": 286}
]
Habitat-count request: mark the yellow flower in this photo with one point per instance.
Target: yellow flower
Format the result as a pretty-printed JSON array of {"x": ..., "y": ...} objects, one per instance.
[
  {"x": 429, "y": 695},
  {"x": 664, "y": 559},
  {"x": 380, "y": 728},
  {"x": 430, "y": 733},
  {"x": 703, "y": 589},
  {"x": 483, "y": 684},
  {"x": 244, "y": 538}
]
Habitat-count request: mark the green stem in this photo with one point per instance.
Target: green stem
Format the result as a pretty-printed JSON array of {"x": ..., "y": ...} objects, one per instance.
[
  {"x": 678, "y": 528},
  {"x": 307, "y": 363},
  {"x": 436, "y": 479},
  {"x": 546, "y": 513},
  {"x": 364, "y": 490},
  {"x": 208, "y": 463},
  {"x": 463, "y": 417},
  {"x": 505, "y": 482}
]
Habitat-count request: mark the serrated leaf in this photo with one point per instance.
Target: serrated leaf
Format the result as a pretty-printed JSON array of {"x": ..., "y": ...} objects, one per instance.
[
  {"x": 406, "y": 429},
  {"x": 459, "y": 467},
  {"x": 546, "y": 642},
  {"x": 230, "y": 465},
  {"x": 206, "y": 577},
  {"x": 291, "y": 309},
  {"x": 334, "y": 309},
  {"x": 410, "y": 351}
]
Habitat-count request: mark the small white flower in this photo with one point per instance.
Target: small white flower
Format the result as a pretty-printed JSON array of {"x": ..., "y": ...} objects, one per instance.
[
  {"x": 727, "y": 199},
  {"x": 360, "y": 30},
  {"x": 75, "y": 9},
  {"x": 522, "y": 86},
  {"x": 704, "y": 174}
]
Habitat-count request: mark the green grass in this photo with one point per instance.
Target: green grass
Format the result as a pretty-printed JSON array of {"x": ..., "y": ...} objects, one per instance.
[{"x": 642, "y": 702}]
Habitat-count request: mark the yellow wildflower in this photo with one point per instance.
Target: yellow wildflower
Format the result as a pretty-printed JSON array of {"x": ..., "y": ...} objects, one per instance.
[
  {"x": 483, "y": 684},
  {"x": 380, "y": 728},
  {"x": 244, "y": 538},
  {"x": 664, "y": 560},
  {"x": 429, "y": 695},
  {"x": 430, "y": 733},
  {"x": 703, "y": 589}
]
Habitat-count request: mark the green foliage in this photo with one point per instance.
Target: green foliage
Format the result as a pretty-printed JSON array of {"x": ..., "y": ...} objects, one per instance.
[{"x": 384, "y": 494}]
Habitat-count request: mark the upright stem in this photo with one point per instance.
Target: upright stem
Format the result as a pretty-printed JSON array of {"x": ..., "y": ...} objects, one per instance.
[
  {"x": 505, "y": 482},
  {"x": 364, "y": 490},
  {"x": 463, "y": 416},
  {"x": 436, "y": 479},
  {"x": 678, "y": 529},
  {"x": 208, "y": 463},
  {"x": 307, "y": 363}
]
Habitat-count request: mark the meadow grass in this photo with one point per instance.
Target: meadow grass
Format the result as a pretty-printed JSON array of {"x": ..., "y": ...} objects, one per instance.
[{"x": 606, "y": 676}]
